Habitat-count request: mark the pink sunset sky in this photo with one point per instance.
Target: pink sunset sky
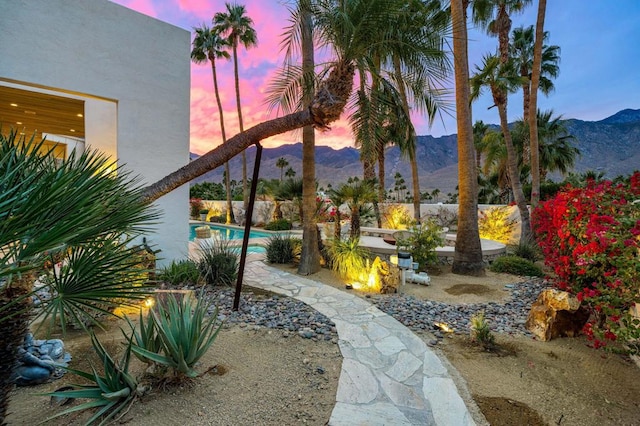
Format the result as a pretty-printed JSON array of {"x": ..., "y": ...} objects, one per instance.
[{"x": 598, "y": 68}]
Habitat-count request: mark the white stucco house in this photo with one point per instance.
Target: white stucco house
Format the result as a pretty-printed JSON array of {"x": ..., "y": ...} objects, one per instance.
[{"x": 96, "y": 74}]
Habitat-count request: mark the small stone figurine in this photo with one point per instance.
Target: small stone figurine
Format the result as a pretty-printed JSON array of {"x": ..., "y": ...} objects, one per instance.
[{"x": 40, "y": 361}]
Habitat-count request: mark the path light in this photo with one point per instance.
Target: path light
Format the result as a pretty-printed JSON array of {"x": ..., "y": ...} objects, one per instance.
[
  {"x": 444, "y": 327},
  {"x": 149, "y": 302}
]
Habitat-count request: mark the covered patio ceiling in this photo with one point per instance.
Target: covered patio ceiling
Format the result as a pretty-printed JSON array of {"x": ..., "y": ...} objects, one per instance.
[{"x": 29, "y": 112}]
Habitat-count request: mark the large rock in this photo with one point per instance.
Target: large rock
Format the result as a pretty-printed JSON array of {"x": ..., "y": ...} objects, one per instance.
[{"x": 556, "y": 314}]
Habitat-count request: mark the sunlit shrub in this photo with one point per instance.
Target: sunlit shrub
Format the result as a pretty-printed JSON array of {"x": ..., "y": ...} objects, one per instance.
[
  {"x": 495, "y": 224},
  {"x": 396, "y": 216}
]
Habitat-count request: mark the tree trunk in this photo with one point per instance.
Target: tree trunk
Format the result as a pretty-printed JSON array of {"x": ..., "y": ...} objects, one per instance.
[
  {"x": 245, "y": 193},
  {"x": 514, "y": 175},
  {"x": 533, "y": 107},
  {"x": 327, "y": 105},
  {"x": 12, "y": 333},
  {"x": 227, "y": 181},
  {"x": 415, "y": 178},
  {"x": 467, "y": 258},
  {"x": 310, "y": 256}
]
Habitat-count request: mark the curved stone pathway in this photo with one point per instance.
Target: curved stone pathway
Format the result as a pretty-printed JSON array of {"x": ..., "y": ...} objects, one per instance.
[{"x": 389, "y": 375}]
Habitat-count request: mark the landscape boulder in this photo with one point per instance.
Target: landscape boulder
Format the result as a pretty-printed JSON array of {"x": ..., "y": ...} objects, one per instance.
[{"x": 556, "y": 313}]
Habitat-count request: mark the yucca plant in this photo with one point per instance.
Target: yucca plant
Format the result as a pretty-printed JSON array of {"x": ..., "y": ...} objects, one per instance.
[
  {"x": 283, "y": 249},
  {"x": 183, "y": 271},
  {"x": 111, "y": 392},
  {"x": 481, "y": 332},
  {"x": 47, "y": 208},
  {"x": 218, "y": 263},
  {"x": 348, "y": 259},
  {"x": 185, "y": 332}
]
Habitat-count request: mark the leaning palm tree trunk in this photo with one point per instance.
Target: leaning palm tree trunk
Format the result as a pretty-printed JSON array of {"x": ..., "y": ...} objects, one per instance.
[{"x": 326, "y": 107}]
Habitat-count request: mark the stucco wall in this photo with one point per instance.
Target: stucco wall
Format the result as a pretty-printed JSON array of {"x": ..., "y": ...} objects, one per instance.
[{"x": 123, "y": 59}]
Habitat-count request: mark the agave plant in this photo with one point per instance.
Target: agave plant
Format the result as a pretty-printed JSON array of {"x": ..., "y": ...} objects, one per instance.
[
  {"x": 111, "y": 392},
  {"x": 185, "y": 334}
]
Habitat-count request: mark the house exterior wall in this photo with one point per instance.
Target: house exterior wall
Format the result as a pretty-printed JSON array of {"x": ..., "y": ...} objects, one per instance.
[{"x": 133, "y": 72}]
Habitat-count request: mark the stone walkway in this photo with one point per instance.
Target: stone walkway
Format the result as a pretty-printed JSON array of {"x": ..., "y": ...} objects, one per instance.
[{"x": 389, "y": 375}]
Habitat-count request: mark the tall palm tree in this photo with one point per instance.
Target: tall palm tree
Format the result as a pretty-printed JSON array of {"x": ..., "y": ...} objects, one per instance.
[
  {"x": 521, "y": 50},
  {"x": 479, "y": 131},
  {"x": 208, "y": 45},
  {"x": 281, "y": 163},
  {"x": 536, "y": 74},
  {"x": 237, "y": 27},
  {"x": 494, "y": 15},
  {"x": 48, "y": 210},
  {"x": 556, "y": 151},
  {"x": 501, "y": 79},
  {"x": 467, "y": 258}
]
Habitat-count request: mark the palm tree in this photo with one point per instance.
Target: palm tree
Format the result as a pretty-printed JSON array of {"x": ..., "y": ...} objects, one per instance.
[
  {"x": 467, "y": 258},
  {"x": 536, "y": 75},
  {"x": 521, "y": 49},
  {"x": 239, "y": 31},
  {"x": 347, "y": 35},
  {"x": 494, "y": 15},
  {"x": 357, "y": 194},
  {"x": 479, "y": 131},
  {"x": 83, "y": 204},
  {"x": 208, "y": 45},
  {"x": 290, "y": 172},
  {"x": 501, "y": 79},
  {"x": 556, "y": 151},
  {"x": 281, "y": 163}
]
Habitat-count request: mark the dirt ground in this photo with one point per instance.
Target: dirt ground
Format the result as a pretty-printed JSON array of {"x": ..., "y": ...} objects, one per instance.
[
  {"x": 262, "y": 377},
  {"x": 265, "y": 378}
]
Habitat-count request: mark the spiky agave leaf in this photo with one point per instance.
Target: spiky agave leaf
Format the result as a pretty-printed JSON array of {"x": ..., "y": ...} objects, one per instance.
[{"x": 112, "y": 392}]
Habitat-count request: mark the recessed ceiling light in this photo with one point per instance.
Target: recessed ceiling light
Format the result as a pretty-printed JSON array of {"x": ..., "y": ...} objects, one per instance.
[
  {"x": 30, "y": 112},
  {"x": 79, "y": 115},
  {"x": 18, "y": 122},
  {"x": 72, "y": 130},
  {"x": 13, "y": 105}
]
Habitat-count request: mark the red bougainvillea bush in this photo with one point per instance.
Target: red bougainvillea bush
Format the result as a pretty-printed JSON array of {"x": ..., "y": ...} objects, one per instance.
[{"x": 591, "y": 238}]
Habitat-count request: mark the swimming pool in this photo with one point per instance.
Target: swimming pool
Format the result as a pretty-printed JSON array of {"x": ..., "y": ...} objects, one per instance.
[{"x": 227, "y": 233}]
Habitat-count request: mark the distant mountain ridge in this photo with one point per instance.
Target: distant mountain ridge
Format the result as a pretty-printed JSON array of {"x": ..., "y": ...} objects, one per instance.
[{"x": 611, "y": 145}]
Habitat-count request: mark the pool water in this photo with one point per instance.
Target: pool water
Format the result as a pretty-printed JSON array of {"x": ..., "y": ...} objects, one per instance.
[{"x": 227, "y": 233}]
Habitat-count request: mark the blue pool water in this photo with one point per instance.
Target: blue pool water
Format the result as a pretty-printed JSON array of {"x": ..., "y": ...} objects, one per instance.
[{"x": 227, "y": 233}]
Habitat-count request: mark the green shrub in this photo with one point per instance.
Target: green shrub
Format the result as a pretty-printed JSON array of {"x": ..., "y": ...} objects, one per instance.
[
  {"x": 516, "y": 265},
  {"x": 526, "y": 250},
  {"x": 182, "y": 272},
  {"x": 422, "y": 242},
  {"x": 185, "y": 330},
  {"x": 348, "y": 259},
  {"x": 495, "y": 224},
  {"x": 283, "y": 249},
  {"x": 218, "y": 263},
  {"x": 278, "y": 225}
]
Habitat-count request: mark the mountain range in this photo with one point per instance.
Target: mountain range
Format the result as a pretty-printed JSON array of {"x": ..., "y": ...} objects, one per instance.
[{"x": 611, "y": 146}]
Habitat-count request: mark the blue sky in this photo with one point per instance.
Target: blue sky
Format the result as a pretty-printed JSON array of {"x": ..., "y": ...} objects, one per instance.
[{"x": 599, "y": 68}]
